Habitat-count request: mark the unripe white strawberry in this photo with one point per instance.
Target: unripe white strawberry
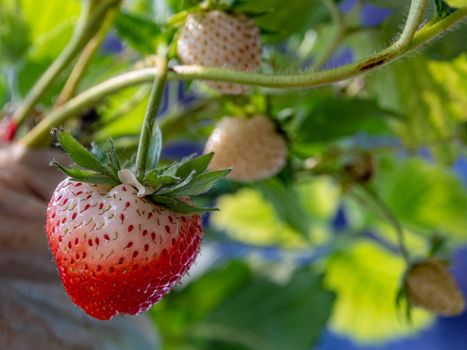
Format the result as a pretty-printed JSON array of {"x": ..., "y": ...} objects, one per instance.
[
  {"x": 251, "y": 147},
  {"x": 217, "y": 39},
  {"x": 430, "y": 285}
]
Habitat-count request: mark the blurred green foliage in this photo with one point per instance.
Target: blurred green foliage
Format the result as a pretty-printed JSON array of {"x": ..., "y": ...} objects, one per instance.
[{"x": 234, "y": 307}]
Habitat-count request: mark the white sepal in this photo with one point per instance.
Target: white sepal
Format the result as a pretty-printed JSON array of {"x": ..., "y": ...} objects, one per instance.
[{"x": 127, "y": 177}]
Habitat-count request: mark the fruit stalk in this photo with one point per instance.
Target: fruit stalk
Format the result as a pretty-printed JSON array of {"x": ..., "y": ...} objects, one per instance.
[
  {"x": 90, "y": 21},
  {"x": 339, "y": 23},
  {"x": 416, "y": 12},
  {"x": 83, "y": 61},
  {"x": 150, "y": 118},
  {"x": 392, "y": 219}
]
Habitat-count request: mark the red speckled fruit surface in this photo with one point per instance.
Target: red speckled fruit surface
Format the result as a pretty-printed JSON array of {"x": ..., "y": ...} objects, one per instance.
[{"x": 116, "y": 252}]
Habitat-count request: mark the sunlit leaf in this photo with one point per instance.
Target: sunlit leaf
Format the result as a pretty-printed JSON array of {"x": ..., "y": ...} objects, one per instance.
[
  {"x": 331, "y": 118},
  {"x": 451, "y": 46},
  {"x": 139, "y": 31},
  {"x": 14, "y": 33},
  {"x": 425, "y": 197},
  {"x": 248, "y": 217},
  {"x": 320, "y": 197},
  {"x": 287, "y": 204},
  {"x": 366, "y": 279},
  {"x": 280, "y": 19},
  {"x": 428, "y": 96},
  {"x": 53, "y": 13}
]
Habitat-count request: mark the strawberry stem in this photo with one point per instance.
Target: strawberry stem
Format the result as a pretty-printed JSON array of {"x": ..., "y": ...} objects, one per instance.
[
  {"x": 392, "y": 220},
  {"x": 84, "y": 60},
  {"x": 150, "y": 119}
]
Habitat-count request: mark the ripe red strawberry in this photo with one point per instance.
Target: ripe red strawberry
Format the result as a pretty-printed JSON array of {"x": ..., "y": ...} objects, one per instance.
[
  {"x": 251, "y": 147},
  {"x": 120, "y": 247},
  {"x": 8, "y": 129},
  {"x": 217, "y": 39},
  {"x": 118, "y": 253},
  {"x": 430, "y": 285}
]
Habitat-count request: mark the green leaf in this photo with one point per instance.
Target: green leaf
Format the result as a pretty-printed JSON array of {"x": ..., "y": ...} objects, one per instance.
[
  {"x": 78, "y": 174},
  {"x": 179, "y": 5},
  {"x": 80, "y": 155},
  {"x": 49, "y": 33},
  {"x": 451, "y": 45},
  {"x": 155, "y": 148},
  {"x": 366, "y": 278},
  {"x": 107, "y": 154},
  {"x": 443, "y": 9},
  {"x": 287, "y": 204},
  {"x": 14, "y": 33},
  {"x": 248, "y": 217},
  {"x": 392, "y": 4},
  {"x": 140, "y": 32},
  {"x": 280, "y": 19},
  {"x": 99, "y": 152},
  {"x": 170, "y": 170},
  {"x": 290, "y": 316},
  {"x": 178, "y": 205},
  {"x": 169, "y": 189},
  {"x": 155, "y": 179},
  {"x": 52, "y": 13},
  {"x": 238, "y": 309},
  {"x": 113, "y": 157},
  {"x": 428, "y": 94},
  {"x": 198, "y": 164},
  {"x": 456, "y": 3},
  {"x": 424, "y": 196},
  {"x": 200, "y": 183},
  {"x": 330, "y": 118}
]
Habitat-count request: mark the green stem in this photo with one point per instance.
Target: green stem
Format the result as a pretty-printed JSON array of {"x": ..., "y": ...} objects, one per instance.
[
  {"x": 305, "y": 80},
  {"x": 416, "y": 12},
  {"x": 83, "y": 62},
  {"x": 150, "y": 119},
  {"x": 89, "y": 22},
  {"x": 391, "y": 218},
  {"x": 339, "y": 32},
  {"x": 37, "y": 136}
]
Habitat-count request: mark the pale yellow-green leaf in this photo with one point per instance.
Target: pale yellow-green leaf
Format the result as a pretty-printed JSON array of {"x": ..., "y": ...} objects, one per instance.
[
  {"x": 247, "y": 217},
  {"x": 44, "y": 16},
  {"x": 428, "y": 95},
  {"x": 425, "y": 197},
  {"x": 124, "y": 113},
  {"x": 366, "y": 279},
  {"x": 51, "y": 25},
  {"x": 457, "y": 3},
  {"x": 364, "y": 218},
  {"x": 452, "y": 75},
  {"x": 320, "y": 197}
]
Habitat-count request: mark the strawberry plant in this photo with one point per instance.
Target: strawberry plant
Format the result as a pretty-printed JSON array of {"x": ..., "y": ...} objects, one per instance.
[{"x": 244, "y": 173}]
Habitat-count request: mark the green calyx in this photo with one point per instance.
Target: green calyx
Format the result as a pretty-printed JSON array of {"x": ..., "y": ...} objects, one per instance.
[{"x": 170, "y": 185}]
